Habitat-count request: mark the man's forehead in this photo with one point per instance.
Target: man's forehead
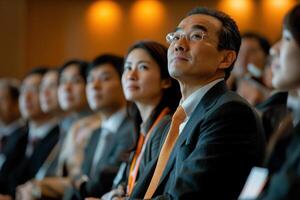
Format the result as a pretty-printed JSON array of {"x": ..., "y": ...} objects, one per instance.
[
  {"x": 209, "y": 22},
  {"x": 104, "y": 68},
  {"x": 33, "y": 77}
]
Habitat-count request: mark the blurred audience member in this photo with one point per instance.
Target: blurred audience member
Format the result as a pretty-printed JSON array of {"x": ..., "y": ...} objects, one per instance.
[
  {"x": 252, "y": 59},
  {"x": 33, "y": 147},
  {"x": 110, "y": 145},
  {"x": 71, "y": 92},
  {"x": 284, "y": 184},
  {"x": 12, "y": 126},
  {"x": 62, "y": 90},
  {"x": 252, "y": 91},
  {"x": 49, "y": 94},
  {"x": 10, "y": 117},
  {"x": 274, "y": 108}
]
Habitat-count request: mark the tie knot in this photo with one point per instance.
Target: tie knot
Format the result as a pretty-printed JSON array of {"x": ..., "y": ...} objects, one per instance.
[{"x": 179, "y": 114}]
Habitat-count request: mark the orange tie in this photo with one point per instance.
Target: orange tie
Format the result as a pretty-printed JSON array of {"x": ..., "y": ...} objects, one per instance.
[{"x": 166, "y": 150}]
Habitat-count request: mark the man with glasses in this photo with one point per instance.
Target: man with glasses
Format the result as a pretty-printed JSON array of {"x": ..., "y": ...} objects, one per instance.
[{"x": 215, "y": 137}]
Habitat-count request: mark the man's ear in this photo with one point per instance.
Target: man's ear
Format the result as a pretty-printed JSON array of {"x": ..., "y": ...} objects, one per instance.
[
  {"x": 229, "y": 56},
  {"x": 166, "y": 83}
]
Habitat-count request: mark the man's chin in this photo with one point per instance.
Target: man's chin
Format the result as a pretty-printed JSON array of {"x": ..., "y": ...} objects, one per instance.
[{"x": 175, "y": 74}]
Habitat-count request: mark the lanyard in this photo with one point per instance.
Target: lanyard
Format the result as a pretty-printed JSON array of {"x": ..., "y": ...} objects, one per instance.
[{"x": 135, "y": 163}]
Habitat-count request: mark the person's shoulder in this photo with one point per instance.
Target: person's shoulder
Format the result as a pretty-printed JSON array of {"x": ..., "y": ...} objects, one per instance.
[
  {"x": 232, "y": 105},
  {"x": 233, "y": 100},
  {"x": 89, "y": 120},
  {"x": 160, "y": 127}
]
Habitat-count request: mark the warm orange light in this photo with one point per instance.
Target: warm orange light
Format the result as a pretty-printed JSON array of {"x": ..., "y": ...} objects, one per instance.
[
  {"x": 241, "y": 10},
  {"x": 239, "y": 6},
  {"x": 273, "y": 12},
  {"x": 104, "y": 16},
  {"x": 147, "y": 14},
  {"x": 278, "y": 5}
]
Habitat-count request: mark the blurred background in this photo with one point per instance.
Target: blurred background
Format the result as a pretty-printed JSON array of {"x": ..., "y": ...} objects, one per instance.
[{"x": 49, "y": 32}]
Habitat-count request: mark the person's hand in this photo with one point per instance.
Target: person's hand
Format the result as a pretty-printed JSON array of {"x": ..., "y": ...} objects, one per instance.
[
  {"x": 23, "y": 192},
  {"x": 5, "y": 197},
  {"x": 115, "y": 194},
  {"x": 118, "y": 198},
  {"x": 78, "y": 180}
]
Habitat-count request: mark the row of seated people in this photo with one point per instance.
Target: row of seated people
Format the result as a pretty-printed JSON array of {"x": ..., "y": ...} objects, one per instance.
[{"x": 160, "y": 124}]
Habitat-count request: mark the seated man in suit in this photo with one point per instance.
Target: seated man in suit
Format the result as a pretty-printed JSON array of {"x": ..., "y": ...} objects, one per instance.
[
  {"x": 70, "y": 81},
  {"x": 111, "y": 144},
  {"x": 215, "y": 136},
  {"x": 10, "y": 117},
  {"x": 33, "y": 147}
]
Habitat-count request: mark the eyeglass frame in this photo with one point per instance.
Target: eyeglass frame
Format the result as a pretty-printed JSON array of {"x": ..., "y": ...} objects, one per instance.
[{"x": 188, "y": 36}]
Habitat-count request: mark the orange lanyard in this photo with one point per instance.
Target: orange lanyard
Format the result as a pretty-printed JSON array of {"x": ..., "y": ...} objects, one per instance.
[{"x": 135, "y": 163}]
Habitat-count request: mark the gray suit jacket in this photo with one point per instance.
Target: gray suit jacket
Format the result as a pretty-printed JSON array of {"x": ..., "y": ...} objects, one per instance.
[
  {"x": 214, "y": 153},
  {"x": 118, "y": 151}
]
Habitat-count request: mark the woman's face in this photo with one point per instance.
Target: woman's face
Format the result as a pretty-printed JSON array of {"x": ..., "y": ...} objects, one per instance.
[
  {"x": 141, "y": 79},
  {"x": 286, "y": 74}
]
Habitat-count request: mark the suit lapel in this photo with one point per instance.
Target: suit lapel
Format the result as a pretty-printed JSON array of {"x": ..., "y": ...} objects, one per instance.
[
  {"x": 207, "y": 102},
  {"x": 90, "y": 151},
  {"x": 112, "y": 142}
]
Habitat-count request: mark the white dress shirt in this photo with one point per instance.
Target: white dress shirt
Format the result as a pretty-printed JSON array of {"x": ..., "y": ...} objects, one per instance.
[
  {"x": 39, "y": 133},
  {"x": 190, "y": 103},
  {"x": 6, "y": 130}
]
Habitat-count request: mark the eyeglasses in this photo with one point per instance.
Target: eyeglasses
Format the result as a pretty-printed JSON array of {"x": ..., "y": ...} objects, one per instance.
[{"x": 193, "y": 36}]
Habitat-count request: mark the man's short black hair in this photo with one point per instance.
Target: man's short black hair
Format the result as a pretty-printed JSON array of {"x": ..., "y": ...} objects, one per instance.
[
  {"x": 229, "y": 36},
  {"x": 12, "y": 86},
  {"x": 80, "y": 64},
  {"x": 116, "y": 61},
  {"x": 41, "y": 70},
  {"x": 262, "y": 41}
]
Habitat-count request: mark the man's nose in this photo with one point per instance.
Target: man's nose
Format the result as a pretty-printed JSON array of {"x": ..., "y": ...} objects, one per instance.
[{"x": 181, "y": 44}]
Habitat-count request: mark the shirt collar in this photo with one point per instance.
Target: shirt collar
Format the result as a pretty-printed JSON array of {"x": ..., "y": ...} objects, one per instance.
[
  {"x": 68, "y": 121},
  {"x": 194, "y": 99},
  {"x": 10, "y": 128},
  {"x": 41, "y": 131},
  {"x": 294, "y": 105},
  {"x": 113, "y": 123}
]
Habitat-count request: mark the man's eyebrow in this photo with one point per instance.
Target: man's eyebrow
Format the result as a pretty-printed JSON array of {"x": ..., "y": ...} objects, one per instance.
[
  {"x": 194, "y": 27},
  {"x": 201, "y": 27}
]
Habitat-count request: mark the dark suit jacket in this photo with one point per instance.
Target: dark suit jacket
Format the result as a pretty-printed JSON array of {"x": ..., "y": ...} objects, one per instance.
[
  {"x": 214, "y": 153},
  {"x": 120, "y": 144},
  {"x": 273, "y": 110},
  {"x": 14, "y": 153},
  {"x": 150, "y": 153},
  {"x": 28, "y": 167},
  {"x": 285, "y": 184},
  {"x": 152, "y": 148}
]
